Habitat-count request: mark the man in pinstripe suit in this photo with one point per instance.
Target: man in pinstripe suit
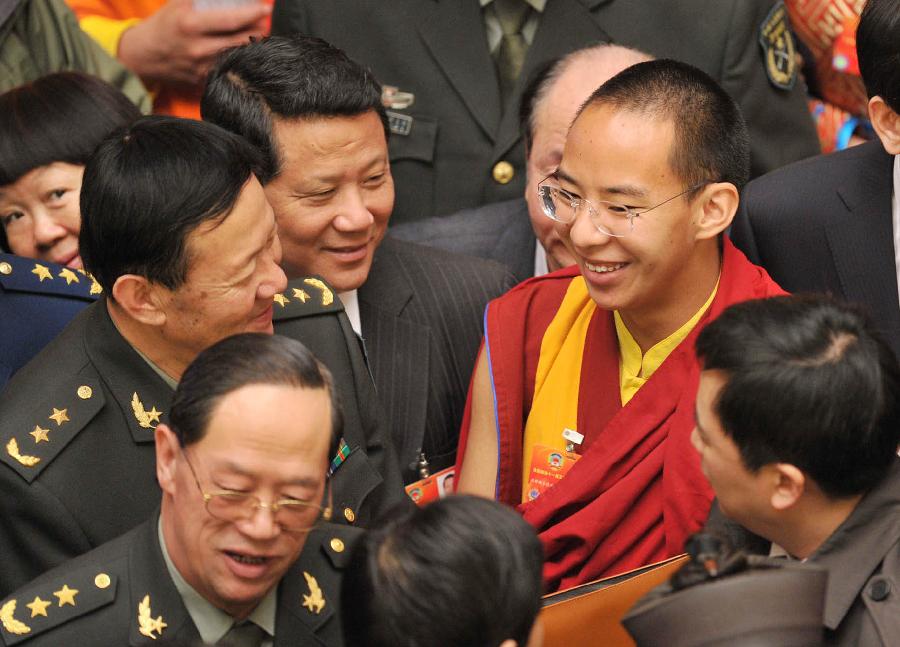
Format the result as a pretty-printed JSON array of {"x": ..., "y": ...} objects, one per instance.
[{"x": 319, "y": 121}]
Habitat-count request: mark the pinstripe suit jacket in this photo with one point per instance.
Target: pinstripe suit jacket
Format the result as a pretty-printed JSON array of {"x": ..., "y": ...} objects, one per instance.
[{"x": 421, "y": 311}]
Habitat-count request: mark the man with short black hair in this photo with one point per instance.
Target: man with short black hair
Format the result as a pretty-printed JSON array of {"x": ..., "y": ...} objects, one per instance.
[
  {"x": 177, "y": 229},
  {"x": 582, "y": 399},
  {"x": 831, "y": 224},
  {"x": 516, "y": 232},
  {"x": 798, "y": 421},
  {"x": 239, "y": 552},
  {"x": 318, "y": 120}
]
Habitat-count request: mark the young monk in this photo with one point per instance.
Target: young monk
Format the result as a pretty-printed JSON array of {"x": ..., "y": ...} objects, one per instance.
[{"x": 582, "y": 401}]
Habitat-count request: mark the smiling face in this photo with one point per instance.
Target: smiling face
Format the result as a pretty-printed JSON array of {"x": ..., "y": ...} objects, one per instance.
[
  {"x": 41, "y": 215},
  {"x": 246, "y": 449},
  {"x": 623, "y": 157},
  {"x": 233, "y": 273},
  {"x": 333, "y": 196},
  {"x": 553, "y": 114}
]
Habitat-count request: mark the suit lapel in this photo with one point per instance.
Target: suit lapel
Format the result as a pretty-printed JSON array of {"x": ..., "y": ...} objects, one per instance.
[
  {"x": 150, "y": 583},
  {"x": 565, "y": 25},
  {"x": 861, "y": 239},
  {"x": 453, "y": 31},
  {"x": 398, "y": 351},
  {"x": 137, "y": 389}
]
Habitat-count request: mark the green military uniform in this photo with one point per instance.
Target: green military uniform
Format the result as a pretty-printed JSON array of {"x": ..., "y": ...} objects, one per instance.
[
  {"x": 121, "y": 593},
  {"x": 38, "y": 37},
  {"x": 77, "y": 460}
]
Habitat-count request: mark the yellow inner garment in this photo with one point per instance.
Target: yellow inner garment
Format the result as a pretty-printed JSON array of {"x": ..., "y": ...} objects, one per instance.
[
  {"x": 554, "y": 407},
  {"x": 634, "y": 368}
]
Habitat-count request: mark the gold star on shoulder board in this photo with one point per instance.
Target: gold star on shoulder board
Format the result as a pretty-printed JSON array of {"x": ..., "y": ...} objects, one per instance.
[
  {"x": 314, "y": 602},
  {"x": 66, "y": 595},
  {"x": 38, "y": 607},
  {"x": 59, "y": 416},
  {"x": 70, "y": 276},
  {"x": 40, "y": 434},
  {"x": 96, "y": 288},
  {"x": 302, "y": 295},
  {"x": 280, "y": 299},
  {"x": 42, "y": 272}
]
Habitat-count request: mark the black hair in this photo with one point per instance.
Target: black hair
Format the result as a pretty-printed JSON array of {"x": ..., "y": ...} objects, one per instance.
[
  {"x": 878, "y": 50},
  {"x": 808, "y": 382},
  {"x": 289, "y": 77},
  {"x": 59, "y": 117},
  {"x": 236, "y": 362},
  {"x": 148, "y": 186},
  {"x": 711, "y": 143},
  {"x": 460, "y": 572}
]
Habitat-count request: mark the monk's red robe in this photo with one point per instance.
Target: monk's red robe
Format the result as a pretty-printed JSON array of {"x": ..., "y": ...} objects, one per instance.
[{"x": 638, "y": 491}]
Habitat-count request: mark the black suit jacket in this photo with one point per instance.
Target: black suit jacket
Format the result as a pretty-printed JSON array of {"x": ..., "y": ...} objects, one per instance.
[
  {"x": 824, "y": 225},
  {"x": 499, "y": 231},
  {"x": 94, "y": 477},
  {"x": 437, "y": 50},
  {"x": 105, "y": 612},
  {"x": 421, "y": 311}
]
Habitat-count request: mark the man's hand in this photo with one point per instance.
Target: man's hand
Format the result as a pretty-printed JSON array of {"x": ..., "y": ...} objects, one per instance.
[{"x": 178, "y": 43}]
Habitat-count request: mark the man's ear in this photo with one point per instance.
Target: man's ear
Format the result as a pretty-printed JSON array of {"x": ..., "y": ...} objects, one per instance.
[
  {"x": 167, "y": 450},
  {"x": 140, "y": 299},
  {"x": 790, "y": 483},
  {"x": 886, "y": 123},
  {"x": 717, "y": 204}
]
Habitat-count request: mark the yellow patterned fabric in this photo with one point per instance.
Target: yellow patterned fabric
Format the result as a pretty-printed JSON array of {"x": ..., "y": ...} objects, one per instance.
[{"x": 636, "y": 368}]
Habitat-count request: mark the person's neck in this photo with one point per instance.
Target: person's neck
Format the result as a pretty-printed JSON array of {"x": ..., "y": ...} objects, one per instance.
[
  {"x": 687, "y": 294},
  {"x": 148, "y": 341},
  {"x": 811, "y": 523}
]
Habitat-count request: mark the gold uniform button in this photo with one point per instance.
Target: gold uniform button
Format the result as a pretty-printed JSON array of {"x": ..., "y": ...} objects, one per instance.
[
  {"x": 85, "y": 392},
  {"x": 337, "y": 545},
  {"x": 349, "y": 515},
  {"x": 5, "y": 268},
  {"x": 102, "y": 581},
  {"x": 503, "y": 172}
]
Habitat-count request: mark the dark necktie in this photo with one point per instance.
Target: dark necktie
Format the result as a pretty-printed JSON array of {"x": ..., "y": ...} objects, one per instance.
[
  {"x": 246, "y": 634},
  {"x": 509, "y": 57}
]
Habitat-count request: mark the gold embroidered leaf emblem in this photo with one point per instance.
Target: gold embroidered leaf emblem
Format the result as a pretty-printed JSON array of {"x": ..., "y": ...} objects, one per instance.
[
  {"x": 327, "y": 295},
  {"x": 314, "y": 602},
  {"x": 12, "y": 448},
  {"x": 145, "y": 418},
  {"x": 147, "y": 624},
  {"x": 12, "y": 625}
]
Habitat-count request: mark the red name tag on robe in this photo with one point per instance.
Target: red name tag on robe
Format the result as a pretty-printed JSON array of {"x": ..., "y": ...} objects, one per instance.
[{"x": 548, "y": 466}]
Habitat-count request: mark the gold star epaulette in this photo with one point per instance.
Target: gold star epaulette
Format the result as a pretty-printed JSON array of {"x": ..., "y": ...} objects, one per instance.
[
  {"x": 52, "y": 602},
  {"x": 20, "y": 274},
  {"x": 304, "y": 297},
  {"x": 32, "y": 440}
]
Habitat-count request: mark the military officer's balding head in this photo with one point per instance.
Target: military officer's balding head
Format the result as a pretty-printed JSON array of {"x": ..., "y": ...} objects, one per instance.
[
  {"x": 241, "y": 486},
  {"x": 177, "y": 230}
]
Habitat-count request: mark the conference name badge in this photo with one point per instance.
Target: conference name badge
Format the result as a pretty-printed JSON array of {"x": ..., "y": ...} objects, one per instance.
[
  {"x": 433, "y": 487},
  {"x": 548, "y": 466}
]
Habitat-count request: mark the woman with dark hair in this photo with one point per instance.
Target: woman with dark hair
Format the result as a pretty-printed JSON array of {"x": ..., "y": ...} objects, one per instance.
[{"x": 48, "y": 129}]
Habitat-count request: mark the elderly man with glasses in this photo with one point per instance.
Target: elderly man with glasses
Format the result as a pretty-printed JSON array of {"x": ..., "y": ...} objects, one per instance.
[
  {"x": 582, "y": 401},
  {"x": 240, "y": 552}
]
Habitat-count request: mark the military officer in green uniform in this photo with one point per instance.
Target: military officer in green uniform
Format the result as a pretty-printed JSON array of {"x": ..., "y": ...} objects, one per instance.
[
  {"x": 238, "y": 553},
  {"x": 177, "y": 231}
]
